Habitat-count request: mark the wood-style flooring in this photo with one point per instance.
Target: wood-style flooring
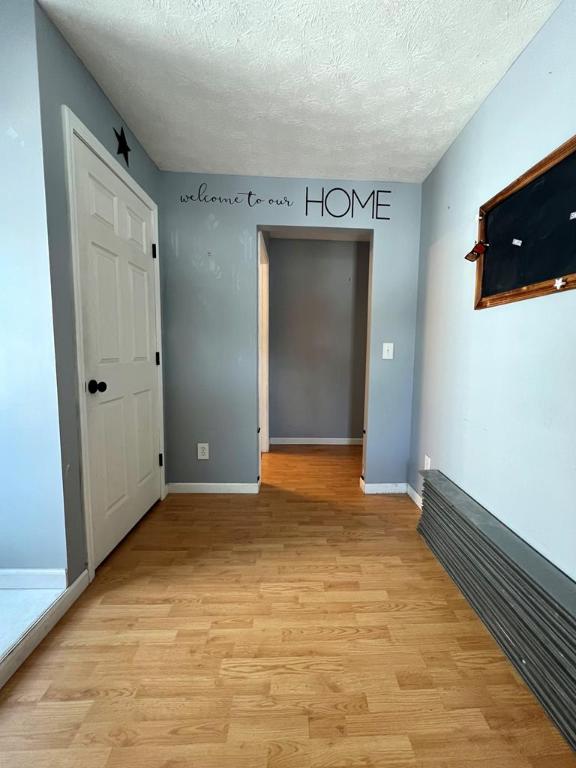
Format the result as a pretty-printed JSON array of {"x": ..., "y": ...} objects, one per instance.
[{"x": 307, "y": 627}]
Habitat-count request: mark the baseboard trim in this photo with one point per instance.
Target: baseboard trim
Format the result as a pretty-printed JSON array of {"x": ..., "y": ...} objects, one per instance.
[
  {"x": 416, "y": 498},
  {"x": 315, "y": 441},
  {"x": 33, "y": 578},
  {"x": 213, "y": 487},
  {"x": 384, "y": 488},
  {"x": 38, "y": 631}
]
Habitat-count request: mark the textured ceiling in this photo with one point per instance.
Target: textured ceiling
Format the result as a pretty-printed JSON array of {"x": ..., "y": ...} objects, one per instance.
[{"x": 352, "y": 89}]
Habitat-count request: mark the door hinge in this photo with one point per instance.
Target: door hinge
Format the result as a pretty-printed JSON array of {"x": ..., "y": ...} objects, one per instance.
[
  {"x": 258, "y": 479},
  {"x": 154, "y": 250},
  {"x": 160, "y": 459},
  {"x": 258, "y": 431},
  {"x": 157, "y": 358},
  {"x": 361, "y": 477}
]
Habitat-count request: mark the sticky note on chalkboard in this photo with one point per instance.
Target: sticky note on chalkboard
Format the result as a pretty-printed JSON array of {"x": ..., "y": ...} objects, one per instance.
[
  {"x": 515, "y": 241},
  {"x": 573, "y": 215}
]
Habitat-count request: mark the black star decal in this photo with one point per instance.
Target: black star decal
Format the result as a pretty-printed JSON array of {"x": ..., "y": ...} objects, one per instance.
[{"x": 123, "y": 147}]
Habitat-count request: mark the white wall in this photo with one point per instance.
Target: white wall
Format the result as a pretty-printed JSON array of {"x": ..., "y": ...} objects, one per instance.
[
  {"x": 495, "y": 390},
  {"x": 31, "y": 505}
]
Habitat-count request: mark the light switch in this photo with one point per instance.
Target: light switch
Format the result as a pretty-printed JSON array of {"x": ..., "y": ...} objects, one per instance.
[{"x": 388, "y": 350}]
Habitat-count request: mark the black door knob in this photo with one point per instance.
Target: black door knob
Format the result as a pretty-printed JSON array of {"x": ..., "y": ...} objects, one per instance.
[{"x": 96, "y": 386}]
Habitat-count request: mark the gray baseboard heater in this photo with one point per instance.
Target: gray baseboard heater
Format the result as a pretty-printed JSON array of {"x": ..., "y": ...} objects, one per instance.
[{"x": 528, "y": 605}]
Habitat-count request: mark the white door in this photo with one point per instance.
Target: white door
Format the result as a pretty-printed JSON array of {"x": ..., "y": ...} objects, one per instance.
[{"x": 119, "y": 338}]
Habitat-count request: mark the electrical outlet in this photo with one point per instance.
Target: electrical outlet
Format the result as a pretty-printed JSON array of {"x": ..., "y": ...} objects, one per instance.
[
  {"x": 427, "y": 462},
  {"x": 387, "y": 350},
  {"x": 203, "y": 451}
]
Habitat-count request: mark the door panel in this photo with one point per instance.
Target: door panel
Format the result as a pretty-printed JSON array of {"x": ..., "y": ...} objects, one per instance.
[
  {"x": 119, "y": 334},
  {"x": 104, "y": 203},
  {"x": 107, "y": 315},
  {"x": 140, "y": 313},
  {"x": 113, "y": 447},
  {"x": 136, "y": 229},
  {"x": 144, "y": 412}
]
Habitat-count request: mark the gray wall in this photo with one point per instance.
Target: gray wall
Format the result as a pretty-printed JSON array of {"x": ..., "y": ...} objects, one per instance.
[
  {"x": 209, "y": 263},
  {"x": 318, "y": 315},
  {"x": 31, "y": 505},
  {"x": 65, "y": 80},
  {"x": 494, "y": 403}
]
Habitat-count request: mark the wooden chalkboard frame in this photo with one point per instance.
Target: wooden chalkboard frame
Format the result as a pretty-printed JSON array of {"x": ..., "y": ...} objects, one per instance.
[{"x": 535, "y": 289}]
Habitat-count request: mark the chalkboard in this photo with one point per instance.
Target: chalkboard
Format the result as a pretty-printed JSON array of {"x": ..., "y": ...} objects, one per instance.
[{"x": 529, "y": 230}]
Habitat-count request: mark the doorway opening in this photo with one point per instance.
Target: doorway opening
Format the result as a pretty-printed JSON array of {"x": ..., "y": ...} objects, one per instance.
[{"x": 313, "y": 330}]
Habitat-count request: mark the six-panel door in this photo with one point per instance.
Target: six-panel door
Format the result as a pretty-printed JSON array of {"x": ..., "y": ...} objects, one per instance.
[{"x": 119, "y": 334}]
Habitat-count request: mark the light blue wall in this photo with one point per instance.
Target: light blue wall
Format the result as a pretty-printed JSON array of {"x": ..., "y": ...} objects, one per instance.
[
  {"x": 208, "y": 258},
  {"x": 494, "y": 398},
  {"x": 317, "y": 341},
  {"x": 65, "y": 80},
  {"x": 31, "y": 505}
]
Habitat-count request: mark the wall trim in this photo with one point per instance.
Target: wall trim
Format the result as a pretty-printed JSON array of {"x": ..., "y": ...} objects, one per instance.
[
  {"x": 524, "y": 600},
  {"x": 213, "y": 487},
  {"x": 33, "y": 578},
  {"x": 316, "y": 441},
  {"x": 414, "y": 495},
  {"x": 370, "y": 488},
  {"x": 38, "y": 631}
]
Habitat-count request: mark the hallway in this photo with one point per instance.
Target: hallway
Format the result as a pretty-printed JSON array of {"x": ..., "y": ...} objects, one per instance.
[{"x": 305, "y": 627}]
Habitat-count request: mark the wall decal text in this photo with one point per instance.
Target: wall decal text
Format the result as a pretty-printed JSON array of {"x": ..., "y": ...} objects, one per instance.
[
  {"x": 249, "y": 198},
  {"x": 338, "y": 202}
]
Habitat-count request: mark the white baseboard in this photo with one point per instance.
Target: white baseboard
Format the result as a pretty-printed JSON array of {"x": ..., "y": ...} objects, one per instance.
[
  {"x": 213, "y": 487},
  {"x": 315, "y": 441},
  {"x": 32, "y": 578},
  {"x": 38, "y": 631},
  {"x": 416, "y": 498},
  {"x": 383, "y": 487}
]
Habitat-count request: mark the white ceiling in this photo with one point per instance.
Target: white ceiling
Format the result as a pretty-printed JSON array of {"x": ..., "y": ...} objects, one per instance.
[{"x": 351, "y": 89}]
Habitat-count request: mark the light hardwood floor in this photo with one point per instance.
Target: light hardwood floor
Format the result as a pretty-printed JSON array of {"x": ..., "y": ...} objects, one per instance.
[{"x": 308, "y": 627}]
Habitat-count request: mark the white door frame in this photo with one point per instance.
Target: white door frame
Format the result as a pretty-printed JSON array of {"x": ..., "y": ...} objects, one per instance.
[
  {"x": 340, "y": 234},
  {"x": 74, "y": 127},
  {"x": 263, "y": 342},
  {"x": 368, "y": 356}
]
